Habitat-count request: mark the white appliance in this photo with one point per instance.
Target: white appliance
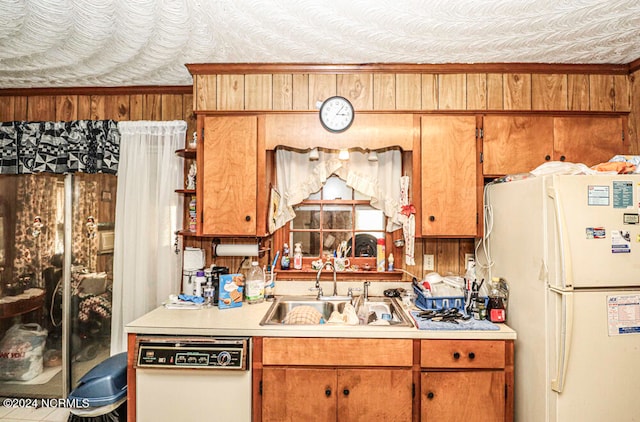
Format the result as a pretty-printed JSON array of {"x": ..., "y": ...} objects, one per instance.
[
  {"x": 569, "y": 247},
  {"x": 193, "y": 378}
]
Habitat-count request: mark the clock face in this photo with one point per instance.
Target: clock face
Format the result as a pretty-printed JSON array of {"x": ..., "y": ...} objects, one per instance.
[{"x": 336, "y": 114}]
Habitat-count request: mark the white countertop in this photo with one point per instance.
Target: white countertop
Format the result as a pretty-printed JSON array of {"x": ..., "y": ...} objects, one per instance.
[{"x": 245, "y": 321}]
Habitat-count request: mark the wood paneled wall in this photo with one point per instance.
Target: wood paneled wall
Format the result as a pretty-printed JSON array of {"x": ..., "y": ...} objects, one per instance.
[
  {"x": 390, "y": 89},
  {"x": 135, "y": 103},
  {"x": 415, "y": 88}
]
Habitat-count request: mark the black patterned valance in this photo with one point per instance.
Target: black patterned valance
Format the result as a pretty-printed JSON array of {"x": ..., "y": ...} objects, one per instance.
[{"x": 87, "y": 146}]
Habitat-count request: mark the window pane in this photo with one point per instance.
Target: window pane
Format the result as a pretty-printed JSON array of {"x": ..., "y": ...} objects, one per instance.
[
  {"x": 336, "y": 188},
  {"x": 369, "y": 219},
  {"x": 315, "y": 196},
  {"x": 337, "y": 217},
  {"x": 332, "y": 240},
  {"x": 307, "y": 217},
  {"x": 309, "y": 241}
]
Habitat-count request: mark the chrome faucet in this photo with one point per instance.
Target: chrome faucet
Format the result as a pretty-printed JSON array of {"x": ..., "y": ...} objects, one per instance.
[
  {"x": 335, "y": 284},
  {"x": 365, "y": 290}
]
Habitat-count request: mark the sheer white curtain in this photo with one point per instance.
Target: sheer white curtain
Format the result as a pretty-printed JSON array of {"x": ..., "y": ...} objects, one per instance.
[
  {"x": 298, "y": 177},
  {"x": 146, "y": 268}
]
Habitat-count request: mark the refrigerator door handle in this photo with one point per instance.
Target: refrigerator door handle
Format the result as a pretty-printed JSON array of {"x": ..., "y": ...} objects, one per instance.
[
  {"x": 564, "y": 340},
  {"x": 566, "y": 265}
]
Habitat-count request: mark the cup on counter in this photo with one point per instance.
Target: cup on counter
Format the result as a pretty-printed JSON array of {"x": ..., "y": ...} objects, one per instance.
[{"x": 341, "y": 264}]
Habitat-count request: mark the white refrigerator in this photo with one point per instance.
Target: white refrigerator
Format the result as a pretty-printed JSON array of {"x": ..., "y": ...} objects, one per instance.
[{"x": 569, "y": 247}]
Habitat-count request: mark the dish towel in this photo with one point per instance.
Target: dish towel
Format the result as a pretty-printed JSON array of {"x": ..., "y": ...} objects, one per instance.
[{"x": 470, "y": 324}]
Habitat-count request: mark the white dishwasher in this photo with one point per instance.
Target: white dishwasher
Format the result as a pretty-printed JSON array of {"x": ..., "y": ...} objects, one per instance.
[{"x": 193, "y": 378}]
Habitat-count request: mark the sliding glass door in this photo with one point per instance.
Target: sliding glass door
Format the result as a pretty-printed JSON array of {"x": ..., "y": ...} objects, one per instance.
[{"x": 56, "y": 249}]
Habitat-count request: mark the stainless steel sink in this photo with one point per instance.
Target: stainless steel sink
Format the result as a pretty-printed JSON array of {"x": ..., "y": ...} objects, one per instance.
[{"x": 284, "y": 304}]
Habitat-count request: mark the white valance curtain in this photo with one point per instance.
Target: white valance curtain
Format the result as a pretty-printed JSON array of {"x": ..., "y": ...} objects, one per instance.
[
  {"x": 298, "y": 177},
  {"x": 148, "y": 212}
]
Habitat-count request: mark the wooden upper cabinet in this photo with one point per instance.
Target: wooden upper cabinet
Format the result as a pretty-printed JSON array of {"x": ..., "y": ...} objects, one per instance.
[
  {"x": 449, "y": 176},
  {"x": 228, "y": 185},
  {"x": 516, "y": 144},
  {"x": 589, "y": 140},
  {"x": 519, "y": 144}
]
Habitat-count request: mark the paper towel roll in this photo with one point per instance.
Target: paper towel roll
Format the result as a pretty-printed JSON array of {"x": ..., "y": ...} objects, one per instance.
[{"x": 236, "y": 250}]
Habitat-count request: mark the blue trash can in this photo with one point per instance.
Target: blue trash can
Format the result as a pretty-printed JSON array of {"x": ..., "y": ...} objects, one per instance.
[{"x": 101, "y": 393}]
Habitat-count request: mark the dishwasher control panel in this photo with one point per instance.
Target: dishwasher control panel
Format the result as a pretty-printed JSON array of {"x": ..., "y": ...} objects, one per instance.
[{"x": 204, "y": 353}]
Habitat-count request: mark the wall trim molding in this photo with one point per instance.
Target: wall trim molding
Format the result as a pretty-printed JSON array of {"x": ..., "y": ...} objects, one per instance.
[
  {"x": 99, "y": 90},
  {"x": 320, "y": 68}
]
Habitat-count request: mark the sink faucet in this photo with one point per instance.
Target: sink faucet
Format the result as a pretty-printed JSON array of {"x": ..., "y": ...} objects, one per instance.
[
  {"x": 365, "y": 290},
  {"x": 335, "y": 284}
]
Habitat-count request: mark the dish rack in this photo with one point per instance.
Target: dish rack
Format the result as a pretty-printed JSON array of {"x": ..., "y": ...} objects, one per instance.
[{"x": 438, "y": 302}]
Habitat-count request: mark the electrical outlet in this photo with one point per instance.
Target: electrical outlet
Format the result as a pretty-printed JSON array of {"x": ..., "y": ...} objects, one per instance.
[
  {"x": 427, "y": 263},
  {"x": 468, "y": 257}
]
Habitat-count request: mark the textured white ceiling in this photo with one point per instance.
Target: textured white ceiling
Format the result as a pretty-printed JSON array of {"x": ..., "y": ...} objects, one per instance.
[{"x": 51, "y": 43}]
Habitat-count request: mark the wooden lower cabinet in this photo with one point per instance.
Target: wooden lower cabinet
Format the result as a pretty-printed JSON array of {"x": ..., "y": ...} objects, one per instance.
[
  {"x": 297, "y": 394},
  {"x": 348, "y": 379},
  {"x": 462, "y": 396},
  {"x": 466, "y": 380}
]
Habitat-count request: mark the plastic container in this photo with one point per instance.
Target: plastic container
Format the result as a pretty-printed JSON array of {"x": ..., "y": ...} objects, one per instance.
[
  {"x": 286, "y": 261},
  {"x": 297, "y": 257},
  {"x": 199, "y": 283},
  {"x": 390, "y": 261},
  {"x": 433, "y": 303},
  {"x": 103, "y": 389},
  {"x": 497, "y": 304},
  {"x": 380, "y": 254},
  {"x": 208, "y": 293},
  {"x": 254, "y": 292}
]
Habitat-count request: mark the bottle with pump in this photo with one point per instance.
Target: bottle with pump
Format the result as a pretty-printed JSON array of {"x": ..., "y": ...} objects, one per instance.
[
  {"x": 297, "y": 257},
  {"x": 286, "y": 261},
  {"x": 255, "y": 284}
]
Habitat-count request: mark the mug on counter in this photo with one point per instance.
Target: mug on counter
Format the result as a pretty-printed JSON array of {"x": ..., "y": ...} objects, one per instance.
[{"x": 341, "y": 264}]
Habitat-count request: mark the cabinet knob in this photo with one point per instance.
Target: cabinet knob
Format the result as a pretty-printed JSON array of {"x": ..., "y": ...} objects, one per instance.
[
  {"x": 247, "y": 218},
  {"x": 430, "y": 395},
  {"x": 562, "y": 158},
  {"x": 456, "y": 355},
  {"x": 472, "y": 355},
  {"x": 345, "y": 392},
  {"x": 327, "y": 392},
  {"x": 547, "y": 157},
  {"x": 432, "y": 218}
]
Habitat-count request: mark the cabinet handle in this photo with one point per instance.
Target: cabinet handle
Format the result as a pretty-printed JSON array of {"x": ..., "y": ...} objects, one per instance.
[
  {"x": 430, "y": 395},
  {"x": 456, "y": 355},
  {"x": 432, "y": 218},
  {"x": 247, "y": 218},
  {"x": 345, "y": 392},
  {"x": 547, "y": 157},
  {"x": 327, "y": 392},
  {"x": 472, "y": 355},
  {"x": 562, "y": 158}
]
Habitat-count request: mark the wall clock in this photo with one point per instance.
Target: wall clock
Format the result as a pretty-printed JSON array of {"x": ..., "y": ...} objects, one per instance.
[{"x": 336, "y": 114}]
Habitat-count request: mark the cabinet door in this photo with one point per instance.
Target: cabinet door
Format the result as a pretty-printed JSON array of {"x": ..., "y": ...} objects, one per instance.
[
  {"x": 229, "y": 175},
  {"x": 463, "y": 396},
  {"x": 449, "y": 176},
  {"x": 298, "y": 394},
  {"x": 589, "y": 140},
  {"x": 375, "y": 394},
  {"x": 516, "y": 144}
]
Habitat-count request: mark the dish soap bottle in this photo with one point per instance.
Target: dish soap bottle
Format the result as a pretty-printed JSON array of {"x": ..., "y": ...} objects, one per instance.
[
  {"x": 286, "y": 261},
  {"x": 297, "y": 257},
  {"x": 255, "y": 284}
]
